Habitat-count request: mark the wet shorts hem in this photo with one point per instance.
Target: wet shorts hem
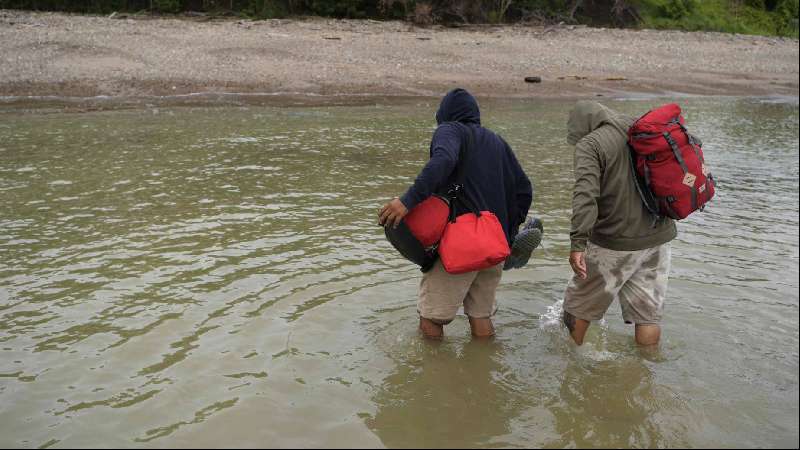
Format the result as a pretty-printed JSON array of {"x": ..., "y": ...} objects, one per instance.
[
  {"x": 643, "y": 322},
  {"x": 583, "y": 316}
]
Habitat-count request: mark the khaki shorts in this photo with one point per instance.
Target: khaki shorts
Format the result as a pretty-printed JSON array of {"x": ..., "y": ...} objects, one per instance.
[
  {"x": 638, "y": 278},
  {"x": 442, "y": 293}
]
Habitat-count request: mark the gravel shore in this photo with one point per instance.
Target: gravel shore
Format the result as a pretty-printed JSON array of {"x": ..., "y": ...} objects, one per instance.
[{"x": 50, "y": 54}]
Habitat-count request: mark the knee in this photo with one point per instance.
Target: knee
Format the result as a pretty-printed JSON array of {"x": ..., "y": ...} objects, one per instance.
[
  {"x": 432, "y": 328},
  {"x": 648, "y": 335},
  {"x": 481, "y": 328},
  {"x": 647, "y": 342},
  {"x": 577, "y": 327}
]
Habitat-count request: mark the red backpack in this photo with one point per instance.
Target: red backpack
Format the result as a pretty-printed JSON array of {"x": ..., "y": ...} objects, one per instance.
[{"x": 673, "y": 179}]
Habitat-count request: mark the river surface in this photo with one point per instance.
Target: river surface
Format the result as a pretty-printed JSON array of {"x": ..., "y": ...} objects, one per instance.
[{"x": 214, "y": 276}]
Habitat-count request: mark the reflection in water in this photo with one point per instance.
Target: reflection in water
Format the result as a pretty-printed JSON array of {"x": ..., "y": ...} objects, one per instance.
[
  {"x": 614, "y": 404},
  {"x": 447, "y": 395}
]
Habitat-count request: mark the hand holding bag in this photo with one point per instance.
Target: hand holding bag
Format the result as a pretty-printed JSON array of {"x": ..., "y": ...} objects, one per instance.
[{"x": 420, "y": 231}]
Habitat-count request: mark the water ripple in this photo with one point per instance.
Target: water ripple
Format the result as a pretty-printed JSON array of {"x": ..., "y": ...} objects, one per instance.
[{"x": 150, "y": 265}]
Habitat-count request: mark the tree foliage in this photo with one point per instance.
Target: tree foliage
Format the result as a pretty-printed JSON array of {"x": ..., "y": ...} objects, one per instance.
[
  {"x": 767, "y": 17},
  {"x": 772, "y": 17}
]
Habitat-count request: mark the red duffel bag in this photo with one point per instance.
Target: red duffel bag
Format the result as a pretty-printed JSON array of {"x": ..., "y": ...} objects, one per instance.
[
  {"x": 673, "y": 177},
  {"x": 427, "y": 220},
  {"x": 473, "y": 241},
  {"x": 419, "y": 232}
]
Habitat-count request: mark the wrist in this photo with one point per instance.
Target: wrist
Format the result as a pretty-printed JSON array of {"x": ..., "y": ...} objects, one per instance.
[{"x": 407, "y": 201}]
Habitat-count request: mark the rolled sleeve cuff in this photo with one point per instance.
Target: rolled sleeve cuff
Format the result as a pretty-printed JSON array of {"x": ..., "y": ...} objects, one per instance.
[
  {"x": 408, "y": 201},
  {"x": 578, "y": 245}
]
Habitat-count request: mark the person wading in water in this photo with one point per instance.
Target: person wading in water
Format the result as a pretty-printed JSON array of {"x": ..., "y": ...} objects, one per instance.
[{"x": 494, "y": 181}]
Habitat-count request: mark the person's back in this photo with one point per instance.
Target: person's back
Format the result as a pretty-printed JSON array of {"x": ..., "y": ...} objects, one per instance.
[
  {"x": 492, "y": 173},
  {"x": 494, "y": 181},
  {"x": 617, "y": 248},
  {"x": 615, "y": 216}
]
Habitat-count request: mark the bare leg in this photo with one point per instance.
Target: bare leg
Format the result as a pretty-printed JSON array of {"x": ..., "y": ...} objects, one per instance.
[
  {"x": 577, "y": 327},
  {"x": 481, "y": 328},
  {"x": 431, "y": 329},
  {"x": 648, "y": 335}
]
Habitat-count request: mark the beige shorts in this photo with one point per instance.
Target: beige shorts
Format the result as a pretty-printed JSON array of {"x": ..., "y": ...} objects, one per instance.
[
  {"x": 638, "y": 278},
  {"x": 442, "y": 293}
]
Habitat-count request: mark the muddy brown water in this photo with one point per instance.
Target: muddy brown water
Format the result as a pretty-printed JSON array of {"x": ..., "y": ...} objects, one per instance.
[{"x": 214, "y": 276}]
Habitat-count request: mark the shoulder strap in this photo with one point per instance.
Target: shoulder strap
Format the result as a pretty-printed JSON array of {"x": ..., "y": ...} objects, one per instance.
[
  {"x": 464, "y": 154},
  {"x": 457, "y": 191}
]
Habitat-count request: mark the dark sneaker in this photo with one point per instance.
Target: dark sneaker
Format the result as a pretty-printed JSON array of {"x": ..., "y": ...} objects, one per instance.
[{"x": 526, "y": 241}]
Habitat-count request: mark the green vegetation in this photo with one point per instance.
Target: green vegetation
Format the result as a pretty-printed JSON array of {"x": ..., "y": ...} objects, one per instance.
[
  {"x": 767, "y": 17},
  {"x": 777, "y": 17}
]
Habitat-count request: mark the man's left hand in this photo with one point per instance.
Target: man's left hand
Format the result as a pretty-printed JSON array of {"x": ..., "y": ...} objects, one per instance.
[
  {"x": 578, "y": 262},
  {"x": 392, "y": 213}
]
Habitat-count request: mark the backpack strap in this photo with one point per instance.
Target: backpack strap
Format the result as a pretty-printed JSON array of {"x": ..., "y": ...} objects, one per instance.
[
  {"x": 676, "y": 151},
  {"x": 694, "y": 143},
  {"x": 667, "y": 205},
  {"x": 679, "y": 156},
  {"x": 643, "y": 187}
]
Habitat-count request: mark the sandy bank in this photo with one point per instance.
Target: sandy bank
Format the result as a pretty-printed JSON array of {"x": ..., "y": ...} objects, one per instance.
[{"x": 46, "y": 54}]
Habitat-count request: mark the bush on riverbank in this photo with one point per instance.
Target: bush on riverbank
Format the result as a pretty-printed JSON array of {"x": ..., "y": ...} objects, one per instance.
[
  {"x": 767, "y": 17},
  {"x": 776, "y": 17}
]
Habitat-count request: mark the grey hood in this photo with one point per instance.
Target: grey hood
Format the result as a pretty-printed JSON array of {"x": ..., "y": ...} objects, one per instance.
[{"x": 588, "y": 116}]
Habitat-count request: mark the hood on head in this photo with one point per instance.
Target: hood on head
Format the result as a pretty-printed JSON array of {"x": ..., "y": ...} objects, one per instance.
[
  {"x": 586, "y": 117},
  {"x": 458, "y": 106}
]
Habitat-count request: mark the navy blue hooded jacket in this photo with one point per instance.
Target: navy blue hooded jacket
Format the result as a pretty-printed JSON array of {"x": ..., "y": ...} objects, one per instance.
[{"x": 494, "y": 179}]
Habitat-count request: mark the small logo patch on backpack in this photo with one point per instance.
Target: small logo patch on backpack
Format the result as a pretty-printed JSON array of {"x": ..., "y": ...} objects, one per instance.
[{"x": 689, "y": 179}]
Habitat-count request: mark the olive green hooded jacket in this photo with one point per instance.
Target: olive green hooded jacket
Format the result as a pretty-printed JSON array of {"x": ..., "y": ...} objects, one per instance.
[{"x": 606, "y": 207}]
